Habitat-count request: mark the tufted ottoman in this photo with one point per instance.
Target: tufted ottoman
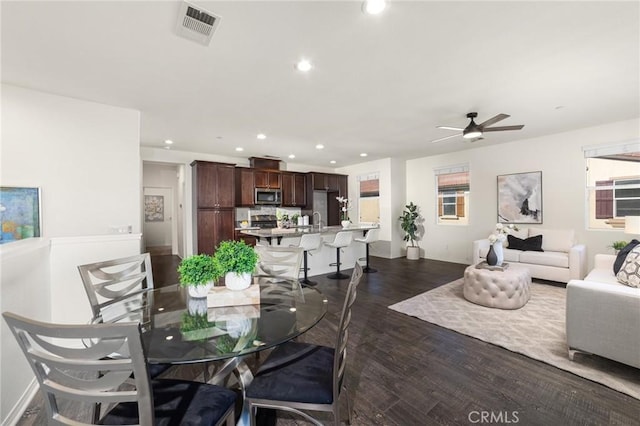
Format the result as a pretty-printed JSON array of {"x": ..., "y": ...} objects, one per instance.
[{"x": 508, "y": 289}]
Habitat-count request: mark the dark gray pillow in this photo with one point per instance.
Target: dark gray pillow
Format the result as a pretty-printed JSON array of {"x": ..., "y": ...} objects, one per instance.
[
  {"x": 528, "y": 244},
  {"x": 622, "y": 255}
]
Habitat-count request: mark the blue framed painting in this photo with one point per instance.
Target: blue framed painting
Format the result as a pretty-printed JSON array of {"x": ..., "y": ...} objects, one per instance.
[{"x": 20, "y": 213}]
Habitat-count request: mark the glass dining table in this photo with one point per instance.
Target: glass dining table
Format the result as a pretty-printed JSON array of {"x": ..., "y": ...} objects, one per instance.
[{"x": 178, "y": 329}]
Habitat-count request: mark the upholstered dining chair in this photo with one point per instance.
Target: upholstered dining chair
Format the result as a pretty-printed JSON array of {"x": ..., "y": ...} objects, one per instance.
[
  {"x": 68, "y": 372},
  {"x": 301, "y": 376},
  {"x": 114, "y": 280},
  {"x": 279, "y": 262}
]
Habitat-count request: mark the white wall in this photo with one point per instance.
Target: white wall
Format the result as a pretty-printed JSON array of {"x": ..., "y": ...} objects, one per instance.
[
  {"x": 560, "y": 158},
  {"x": 86, "y": 159},
  {"x": 164, "y": 176},
  {"x": 392, "y": 189}
]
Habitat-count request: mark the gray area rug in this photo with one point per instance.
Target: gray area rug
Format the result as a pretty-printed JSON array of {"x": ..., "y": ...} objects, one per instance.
[{"x": 536, "y": 330}]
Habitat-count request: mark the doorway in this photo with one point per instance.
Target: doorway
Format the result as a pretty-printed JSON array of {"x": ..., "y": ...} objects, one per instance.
[{"x": 163, "y": 218}]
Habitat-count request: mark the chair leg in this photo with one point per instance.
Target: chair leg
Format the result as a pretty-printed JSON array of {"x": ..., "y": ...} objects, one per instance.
[
  {"x": 338, "y": 275},
  {"x": 367, "y": 269},
  {"x": 306, "y": 280}
]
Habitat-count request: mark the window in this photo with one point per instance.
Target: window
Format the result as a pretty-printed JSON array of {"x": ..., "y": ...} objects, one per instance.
[
  {"x": 369, "y": 198},
  {"x": 452, "y": 185},
  {"x": 613, "y": 184}
]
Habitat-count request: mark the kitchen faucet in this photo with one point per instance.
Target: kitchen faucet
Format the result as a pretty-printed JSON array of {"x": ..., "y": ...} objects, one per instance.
[{"x": 319, "y": 219}]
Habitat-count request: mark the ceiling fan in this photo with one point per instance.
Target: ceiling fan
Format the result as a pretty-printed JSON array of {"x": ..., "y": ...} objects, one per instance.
[{"x": 475, "y": 131}]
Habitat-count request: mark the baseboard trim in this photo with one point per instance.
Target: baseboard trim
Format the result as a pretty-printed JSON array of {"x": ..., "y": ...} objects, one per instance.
[{"x": 21, "y": 406}]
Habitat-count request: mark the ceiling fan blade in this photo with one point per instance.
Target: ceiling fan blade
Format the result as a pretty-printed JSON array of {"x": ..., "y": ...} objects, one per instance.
[
  {"x": 450, "y": 128},
  {"x": 446, "y": 137},
  {"x": 476, "y": 139},
  {"x": 493, "y": 120},
  {"x": 502, "y": 128}
]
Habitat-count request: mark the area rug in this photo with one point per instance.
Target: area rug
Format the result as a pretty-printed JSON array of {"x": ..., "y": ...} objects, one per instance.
[{"x": 536, "y": 330}]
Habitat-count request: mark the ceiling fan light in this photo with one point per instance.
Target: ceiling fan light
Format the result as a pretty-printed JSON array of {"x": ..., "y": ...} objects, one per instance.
[{"x": 472, "y": 134}]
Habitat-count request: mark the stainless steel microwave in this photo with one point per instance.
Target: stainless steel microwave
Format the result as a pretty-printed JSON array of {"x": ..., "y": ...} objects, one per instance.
[{"x": 271, "y": 197}]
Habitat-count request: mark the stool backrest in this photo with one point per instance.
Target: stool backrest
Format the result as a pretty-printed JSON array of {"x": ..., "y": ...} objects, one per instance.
[
  {"x": 372, "y": 236},
  {"x": 343, "y": 239},
  {"x": 310, "y": 241}
]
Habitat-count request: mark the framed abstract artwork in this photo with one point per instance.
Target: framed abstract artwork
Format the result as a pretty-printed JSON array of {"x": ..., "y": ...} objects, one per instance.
[
  {"x": 153, "y": 208},
  {"x": 19, "y": 213},
  {"x": 520, "y": 198}
]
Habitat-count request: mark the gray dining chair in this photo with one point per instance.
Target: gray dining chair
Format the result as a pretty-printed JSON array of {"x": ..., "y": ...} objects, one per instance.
[
  {"x": 280, "y": 263},
  {"x": 68, "y": 372},
  {"x": 302, "y": 376},
  {"x": 112, "y": 281}
]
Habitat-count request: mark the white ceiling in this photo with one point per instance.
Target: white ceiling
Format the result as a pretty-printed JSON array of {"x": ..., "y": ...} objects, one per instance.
[{"x": 380, "y": 84}]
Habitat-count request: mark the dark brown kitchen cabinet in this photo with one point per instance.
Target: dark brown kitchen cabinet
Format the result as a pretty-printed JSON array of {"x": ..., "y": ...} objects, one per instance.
[
  {"x": 324, "y": 182},
  {"x": 213, "y": 204},
  {"x": 214, "y": 226},
  {"x": 294, "y": 191},
  {"x": 245, "y": 189},
  {"x": 213, "y": 184},
  {"x": 343, "y": 185},
  {"x": 266, "y": 179}
]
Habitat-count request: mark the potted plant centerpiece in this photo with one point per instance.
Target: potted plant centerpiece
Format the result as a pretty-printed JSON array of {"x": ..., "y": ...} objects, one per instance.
[
  {"x": 198, "y": 273},
  {"x": 345, "y": 206},
  {"x": 237, "y": 261},
  {"x": 408, "y": 223}
]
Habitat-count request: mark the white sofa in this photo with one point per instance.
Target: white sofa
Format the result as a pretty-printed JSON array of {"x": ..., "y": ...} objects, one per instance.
[
  {"x": 562, "y": 259},
  {"x": 603, "y": 316}
]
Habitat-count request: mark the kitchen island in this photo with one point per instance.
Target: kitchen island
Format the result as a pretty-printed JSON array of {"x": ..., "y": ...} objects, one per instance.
[{"x": 318, "y": 260}]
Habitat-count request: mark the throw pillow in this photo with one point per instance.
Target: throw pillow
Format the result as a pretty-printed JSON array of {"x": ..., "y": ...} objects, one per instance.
[
  {"x": 629, "y": 274},
  {"x": 528, "y": 244},
  {"x": 622, "y": 255}
]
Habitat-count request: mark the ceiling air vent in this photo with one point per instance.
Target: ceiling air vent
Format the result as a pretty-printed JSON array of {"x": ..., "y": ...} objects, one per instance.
[{"x": 196, "y": 24}]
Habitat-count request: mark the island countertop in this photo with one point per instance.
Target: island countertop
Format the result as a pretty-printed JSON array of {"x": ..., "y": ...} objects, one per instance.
[{"x": 297, "y": 232}]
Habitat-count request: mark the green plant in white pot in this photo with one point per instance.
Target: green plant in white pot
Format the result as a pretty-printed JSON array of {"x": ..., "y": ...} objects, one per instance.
[
  {"x": 237, "y": 261},
  {"x": 408, "y": 223},
  {"x": 199, "y": 273}
]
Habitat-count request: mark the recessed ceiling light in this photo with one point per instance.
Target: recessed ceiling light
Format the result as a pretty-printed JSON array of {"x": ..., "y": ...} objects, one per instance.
[
  {"x": 261, "y": 136},
  {"x": 374, "y": 7},
  {"x": 292, "y": 156},
  {"x": 168, "y": 141},
  {"x": 364, "y": 154},
  {"x": 167, "y": 147},
  {"x": 332, "y": 161},
  {"x": 239, "y": 149},
  {"x": 319, "y": 146},
  {"x": 303, "y": 65}
]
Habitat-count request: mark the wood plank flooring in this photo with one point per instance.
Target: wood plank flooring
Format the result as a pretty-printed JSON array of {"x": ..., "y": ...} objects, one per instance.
[{"x": 404, "y": 371}]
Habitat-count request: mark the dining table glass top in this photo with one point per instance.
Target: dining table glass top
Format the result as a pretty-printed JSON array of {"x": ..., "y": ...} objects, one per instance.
[{"x": 178, "y": 329}]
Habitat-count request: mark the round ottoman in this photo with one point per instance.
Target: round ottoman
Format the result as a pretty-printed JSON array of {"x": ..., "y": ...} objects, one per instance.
[{"x": 508, "y": 289}]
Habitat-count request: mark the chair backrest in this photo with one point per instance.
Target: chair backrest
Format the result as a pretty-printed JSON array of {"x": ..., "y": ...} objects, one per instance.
[
  {"x": 342, "y": 239},
  {"x": 339, "y": 359},
  {"x": 114, "y": 280},
  {"x": 66, "y": 371},
  {"x": 372, "y": 236},
  {"x": 279, "y": 262},
  {"x": 310, "y": 241}
]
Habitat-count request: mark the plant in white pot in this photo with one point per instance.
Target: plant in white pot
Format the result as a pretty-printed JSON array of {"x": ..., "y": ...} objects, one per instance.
[
  {"x": 408, "y": 223},
  {"x": 199, "y": 273},
  {"x": 237, "y": 261}
]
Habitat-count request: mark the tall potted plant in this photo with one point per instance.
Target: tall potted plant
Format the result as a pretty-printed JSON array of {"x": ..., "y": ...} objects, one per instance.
[
  {"x": 198, "y": 273},
  {"x": 237, "y": 261},
  {"x": 408, "y": 223}
]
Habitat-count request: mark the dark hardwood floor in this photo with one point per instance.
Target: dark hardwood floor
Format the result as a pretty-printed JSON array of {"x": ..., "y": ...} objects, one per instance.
[{"x": 404, "y": 371}]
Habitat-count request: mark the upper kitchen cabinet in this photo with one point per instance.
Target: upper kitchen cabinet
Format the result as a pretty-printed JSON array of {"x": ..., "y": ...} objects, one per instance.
[
  {"x": 245, "y": 188},
  {"x": 328, "y": 182},
  {"x": 343, "y": 185},
  {"x": 213, "y": 184},
  {"x": 267, "y": 179},
  {"x": 294, "y": 192}
]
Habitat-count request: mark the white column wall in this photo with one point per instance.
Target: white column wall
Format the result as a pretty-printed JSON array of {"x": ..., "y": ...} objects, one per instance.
[
  {"x": 86, "y": 159},
  {"x": 561, "y": 160}
]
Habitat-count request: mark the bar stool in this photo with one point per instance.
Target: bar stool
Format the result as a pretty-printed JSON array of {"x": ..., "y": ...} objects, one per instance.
[
  {"x": 309, "y": 242},
  {"x": 342, "y": 239},
  {"x": 371, "y": 237}
]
